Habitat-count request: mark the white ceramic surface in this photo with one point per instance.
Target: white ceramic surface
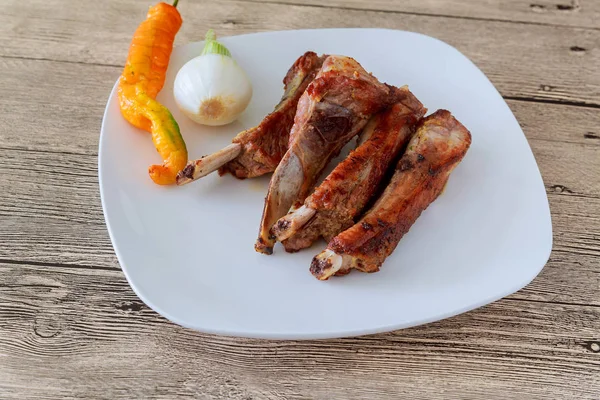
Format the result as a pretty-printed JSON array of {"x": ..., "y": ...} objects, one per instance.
[{"x": 188, "y": 251}]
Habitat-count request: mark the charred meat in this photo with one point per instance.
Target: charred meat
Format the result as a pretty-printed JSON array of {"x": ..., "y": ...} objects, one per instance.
[
  {"x": 334, "y": 108},
  {"x": 438, "y": 146},
  {"x": 336, "y": 203}
]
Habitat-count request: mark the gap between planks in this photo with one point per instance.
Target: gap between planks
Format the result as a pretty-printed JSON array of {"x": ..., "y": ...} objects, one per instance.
[
  {"x": 9, "y": 57},
  {"x": 506, "y": 97},
  {"x": 514, "y": 297},
  {"x": 417, "y": 13},
  {"x": 58, "y": 265},
  {"x": 551, "y": 101},
  {"x": 549, "y": 64}
]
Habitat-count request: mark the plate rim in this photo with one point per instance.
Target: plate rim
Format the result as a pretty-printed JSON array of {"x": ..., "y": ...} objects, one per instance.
[{"x": 256, "y": 334}]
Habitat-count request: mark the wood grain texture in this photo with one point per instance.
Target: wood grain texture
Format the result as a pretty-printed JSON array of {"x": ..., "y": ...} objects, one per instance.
[
  {"x": 62, "y": 124},
  {"x": 522, "y": 60},
  {"x": 60, "y": 324},
  {"x": 70, "y": 326},
  {"x": 54, "y": 216},
  {"x": 579, "y": 13}
]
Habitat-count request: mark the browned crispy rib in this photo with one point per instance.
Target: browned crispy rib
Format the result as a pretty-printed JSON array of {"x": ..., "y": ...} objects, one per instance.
[
  {"x": 334, "y": 108},
  {"x": 345, "y": 192},
  {"x": 437, "y": 147},
  {"x": 257, "y": 151}
]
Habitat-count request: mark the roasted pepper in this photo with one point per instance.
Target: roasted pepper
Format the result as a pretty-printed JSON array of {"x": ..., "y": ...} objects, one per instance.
[{"x": 143, "y": 77}]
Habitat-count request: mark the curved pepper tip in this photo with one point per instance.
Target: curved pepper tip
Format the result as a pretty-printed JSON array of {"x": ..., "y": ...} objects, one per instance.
[{"x": 162, "y": 175}]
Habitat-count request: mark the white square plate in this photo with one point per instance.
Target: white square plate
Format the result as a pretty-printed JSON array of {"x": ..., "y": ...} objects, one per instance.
[{"x": 188, "y": 251}]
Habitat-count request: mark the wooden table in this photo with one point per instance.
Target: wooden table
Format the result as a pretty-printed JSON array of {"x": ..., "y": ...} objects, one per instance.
[{"x": 70, "y": 326}]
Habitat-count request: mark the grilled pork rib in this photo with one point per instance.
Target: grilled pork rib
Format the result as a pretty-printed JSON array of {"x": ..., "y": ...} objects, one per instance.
[
  {"x": 257, "y": 151},
  {"x": 344, "y": 193},
  {"x": 335, "y": 107},
  {"x": 437, "y": 147}
]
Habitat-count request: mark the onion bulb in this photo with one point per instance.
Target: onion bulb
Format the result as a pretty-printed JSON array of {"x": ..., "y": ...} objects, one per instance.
[{"x": 212, "y": 89}]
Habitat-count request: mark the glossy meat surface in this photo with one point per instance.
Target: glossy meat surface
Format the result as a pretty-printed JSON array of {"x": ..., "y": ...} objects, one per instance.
[
  {"x": 438, "y": 146},
  {"x": 348, "y": 188},
  {"x": 334, "y": 108}
]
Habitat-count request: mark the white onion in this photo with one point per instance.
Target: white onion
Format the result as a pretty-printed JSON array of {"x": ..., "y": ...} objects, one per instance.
[{"x": 212, "y": 89}]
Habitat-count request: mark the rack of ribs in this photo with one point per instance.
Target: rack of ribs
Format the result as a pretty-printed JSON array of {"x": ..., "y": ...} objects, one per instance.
[
  {"x": 257, "y": 151},
  {"x": 334, "y": 108},
  {"x": 437, "y": 147},
  {"x": 335, "y": 204}
]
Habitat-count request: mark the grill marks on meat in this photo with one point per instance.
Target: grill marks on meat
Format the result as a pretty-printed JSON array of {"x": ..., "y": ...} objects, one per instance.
[
  {"x": 334, "y": 205},
  {"x": 438, "y": 146},
  {"x": 334, "y": 108},
  {"x": 257, "y": 151}
]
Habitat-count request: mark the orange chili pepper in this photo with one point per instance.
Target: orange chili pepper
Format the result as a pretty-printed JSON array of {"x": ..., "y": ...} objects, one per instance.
[{"x": 142, "y": 78}]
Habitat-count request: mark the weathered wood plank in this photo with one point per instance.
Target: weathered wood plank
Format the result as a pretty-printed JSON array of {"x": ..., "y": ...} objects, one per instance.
[
  {"x": 528, "y": 61},
  {"x": 46, "y": 90},
  {"x": 572, "y": 167},
  {"x": 45, "y": 108},
  {"x": 565, "y": 166},
  {"x": 560, "y": 123},
  {"x": 579, "y": 13},
  {"x": 58, "y": 325},
  {"x": 53, "y": 215}
]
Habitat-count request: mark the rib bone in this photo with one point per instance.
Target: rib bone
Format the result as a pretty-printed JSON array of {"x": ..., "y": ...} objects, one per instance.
[
  {"x": 291, "y": 223},
  {"x": 198, "y": 168}
]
